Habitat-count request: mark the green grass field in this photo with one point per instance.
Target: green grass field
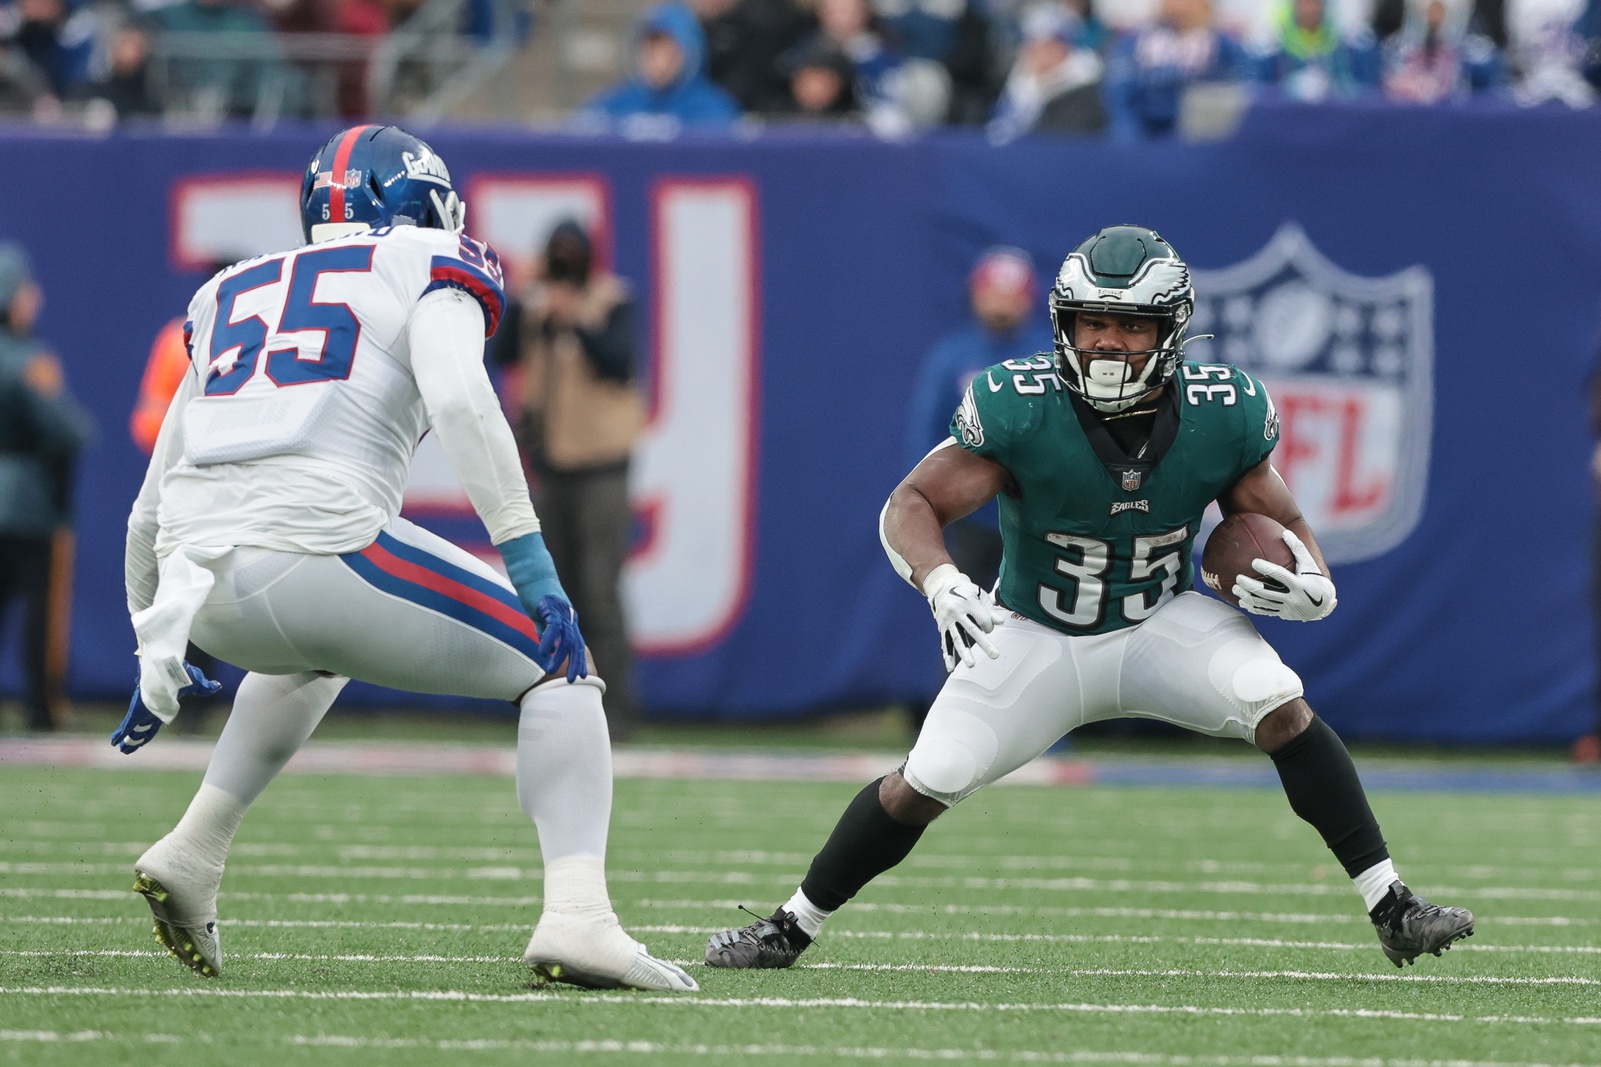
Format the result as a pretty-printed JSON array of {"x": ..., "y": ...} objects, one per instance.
[{"x": 381, "y": 920}]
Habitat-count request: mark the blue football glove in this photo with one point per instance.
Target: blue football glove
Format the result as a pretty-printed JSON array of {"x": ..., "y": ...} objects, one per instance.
[
  {"x": 559, "y": 638},
  {"x": 141, "y": 724},
  {"x": 533, "y": 575}
]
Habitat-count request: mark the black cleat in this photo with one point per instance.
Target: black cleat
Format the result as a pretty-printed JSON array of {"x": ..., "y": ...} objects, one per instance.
[
  {"x": 1409, "y": 926},
  {"x": 773, "y": 942}
]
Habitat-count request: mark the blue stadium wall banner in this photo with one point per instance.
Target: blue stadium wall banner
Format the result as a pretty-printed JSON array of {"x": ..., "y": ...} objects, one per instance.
[{"x": 1419, "y": 289}]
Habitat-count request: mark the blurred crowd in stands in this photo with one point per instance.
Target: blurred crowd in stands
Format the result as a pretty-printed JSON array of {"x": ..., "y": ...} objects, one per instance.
[
  {"x": 1063, "y": 66},
  {"x": 1130, "y": 70},
  {"x": 199, "y": 58}
]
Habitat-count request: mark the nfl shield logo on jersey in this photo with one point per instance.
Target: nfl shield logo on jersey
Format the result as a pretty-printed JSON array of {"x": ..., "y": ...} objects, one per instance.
[
  {"x": 1349, "y": 363},
  {"x": 1131, "y": 480}
]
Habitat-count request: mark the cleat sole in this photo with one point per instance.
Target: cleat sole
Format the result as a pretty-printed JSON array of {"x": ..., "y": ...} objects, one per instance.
[
  {"x": 180, "y": 946},
  {"x": 1401, "y": 959},
  {"x": 545, "y": 973}
]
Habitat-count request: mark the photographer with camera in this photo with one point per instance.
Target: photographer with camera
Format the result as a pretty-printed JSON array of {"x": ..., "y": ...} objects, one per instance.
[{"x": 582, "y": 409}]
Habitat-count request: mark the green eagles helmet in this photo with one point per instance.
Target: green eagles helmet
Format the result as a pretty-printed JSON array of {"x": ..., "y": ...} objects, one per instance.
[{"x": 1123, "y": 270}]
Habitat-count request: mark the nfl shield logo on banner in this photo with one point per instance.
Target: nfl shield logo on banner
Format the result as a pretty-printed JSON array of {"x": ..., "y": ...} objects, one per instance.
[{"x": 1349, "y": 363}]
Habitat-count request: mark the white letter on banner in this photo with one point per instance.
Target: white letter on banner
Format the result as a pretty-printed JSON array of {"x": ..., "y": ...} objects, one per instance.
[
  {"x": 516, "y": 212},
  {"x": 694, "y": 468},
  {"x": 226, "y": 218}
]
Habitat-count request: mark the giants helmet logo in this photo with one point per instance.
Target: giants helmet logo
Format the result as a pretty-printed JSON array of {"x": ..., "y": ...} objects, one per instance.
[{"x": 1349, "y": 362}]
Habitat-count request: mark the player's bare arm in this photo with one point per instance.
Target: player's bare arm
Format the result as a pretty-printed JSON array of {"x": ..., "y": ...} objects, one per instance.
[
  {"x": 946, "y": 485},
  {"x": 949, "y": 484},
  {"x": 1263, "y": 492}
]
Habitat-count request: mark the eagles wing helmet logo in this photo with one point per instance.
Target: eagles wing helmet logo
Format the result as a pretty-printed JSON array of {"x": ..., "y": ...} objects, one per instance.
[{"x": 1349, "y": 362}]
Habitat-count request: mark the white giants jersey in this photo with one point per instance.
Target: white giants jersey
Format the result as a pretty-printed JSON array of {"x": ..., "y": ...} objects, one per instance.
[{"x": 308, "y": 413}]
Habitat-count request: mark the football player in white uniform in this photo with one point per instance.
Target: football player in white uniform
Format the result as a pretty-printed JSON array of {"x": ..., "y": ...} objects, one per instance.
[{"x": 268, "y": 531}]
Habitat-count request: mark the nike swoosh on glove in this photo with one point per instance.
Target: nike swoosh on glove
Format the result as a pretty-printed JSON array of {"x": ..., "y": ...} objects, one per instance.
[
  {"x": 141, "y": 724},
  {"x": 559, "y": 638},
  {"x": 1307, "y": 594},
  {"x": 964, "y": 613}
]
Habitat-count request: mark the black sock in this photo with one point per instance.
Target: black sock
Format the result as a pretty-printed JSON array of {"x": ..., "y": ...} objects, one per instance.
[
  {"x": 1321, "y": 782},
  {"x": 865, "y": 843}
]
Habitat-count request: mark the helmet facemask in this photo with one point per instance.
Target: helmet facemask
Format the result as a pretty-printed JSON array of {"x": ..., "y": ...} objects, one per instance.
[{"x": 1106, "y": 379}]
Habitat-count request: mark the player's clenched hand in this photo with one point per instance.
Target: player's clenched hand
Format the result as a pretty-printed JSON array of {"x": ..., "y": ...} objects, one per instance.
[
  {"x": 1306, "y": 595},
  {"x": 141, "y": 724},
  {"x": 559, "y": 639},
  {"x": 533, "y": 575},
  {"x": 964, "y": 614}
]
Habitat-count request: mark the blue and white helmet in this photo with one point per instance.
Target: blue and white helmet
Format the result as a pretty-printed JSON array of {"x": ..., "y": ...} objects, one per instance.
[{"x": 371, "y": 176}]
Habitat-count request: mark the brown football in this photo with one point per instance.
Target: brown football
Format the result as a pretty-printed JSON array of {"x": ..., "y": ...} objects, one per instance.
[{"x": 1237, "y": 541}]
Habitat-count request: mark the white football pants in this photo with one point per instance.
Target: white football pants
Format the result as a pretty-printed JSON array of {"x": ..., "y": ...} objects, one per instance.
[
  {"x": 1196, "y": 663},
  {"x": 411, "y": 611}
]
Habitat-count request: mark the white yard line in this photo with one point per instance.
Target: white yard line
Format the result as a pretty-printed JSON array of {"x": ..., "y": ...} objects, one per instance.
[
  {"x": 295, "y": 898},
  {"x": 874, "y": 935},
  {"x": 593, "y": 999},
  {"x": 1313, "y": 976},
  {"x": 856, "y": 907},
  {"x": 887, "y": 881},
  {"x": 1051, "y": 911},
  {"x": 854, "y": 1052},
  {"x": 926, "y": 968},
  {"x": 761, "y": 858},
  {"x": 307, "y": 957}
]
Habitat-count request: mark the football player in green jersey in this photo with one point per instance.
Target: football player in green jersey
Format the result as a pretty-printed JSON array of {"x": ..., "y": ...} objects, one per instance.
[{"x": 1104, "y": 457}]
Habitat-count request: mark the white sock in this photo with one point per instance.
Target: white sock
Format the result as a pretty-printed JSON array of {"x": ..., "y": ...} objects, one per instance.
[
  {"x": 808, "y": 916},
  {"x": 576, "y": 885},
  {"x": 1374, "y": 883},
  {"x": 272, "y": 716},
  {"x": 564, "y": 770},
  {"x": 207, "y": 827}
]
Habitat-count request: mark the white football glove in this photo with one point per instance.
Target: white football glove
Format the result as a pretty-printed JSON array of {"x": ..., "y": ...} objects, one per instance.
[
  {"x": 964, "y": 614},
  {"x": 1308, "y": 593}
]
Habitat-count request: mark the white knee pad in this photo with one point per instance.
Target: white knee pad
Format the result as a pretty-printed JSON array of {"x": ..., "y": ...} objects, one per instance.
[
  {"x": 952, "y": 757},
  {"x": 1252, "y": 677}
]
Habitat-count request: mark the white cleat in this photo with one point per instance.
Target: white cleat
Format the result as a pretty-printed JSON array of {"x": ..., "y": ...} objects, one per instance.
[
  {"x": 595, "y": 953},
  {"x": 183, "y": 901}
]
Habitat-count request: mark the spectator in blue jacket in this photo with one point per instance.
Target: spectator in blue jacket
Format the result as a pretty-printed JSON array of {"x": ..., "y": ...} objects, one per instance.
[
  {"x": 1150, "y": 69},
  {"x": 1002, "y": 288},
  {"x": 1310, "y": 59},
  {"x": 668, "y": 90}
]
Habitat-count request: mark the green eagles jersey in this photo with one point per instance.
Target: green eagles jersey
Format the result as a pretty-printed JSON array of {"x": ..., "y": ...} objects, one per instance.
[{"x": 1092, "y": 547}]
